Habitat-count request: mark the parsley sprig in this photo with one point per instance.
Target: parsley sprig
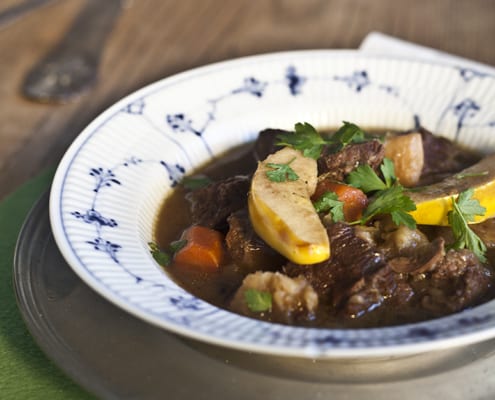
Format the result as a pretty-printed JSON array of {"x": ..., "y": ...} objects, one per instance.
[
  {"x": 195, "y": 182},
  {"x": 388, "y": 196},
  {"x": 330, "y": 203},
  {"x": 304, "y": 138},
  {"x": 281, "y": 172},
  {"x": 464, "y": 210},
  {"x": 164, "y": 257},
  {"x": 309, "y": 141},
  {"x": 257, "y": 300}
]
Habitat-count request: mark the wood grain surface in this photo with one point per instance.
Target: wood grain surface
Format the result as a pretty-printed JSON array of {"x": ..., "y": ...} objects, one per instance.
[{"x": 153, "y": 39}]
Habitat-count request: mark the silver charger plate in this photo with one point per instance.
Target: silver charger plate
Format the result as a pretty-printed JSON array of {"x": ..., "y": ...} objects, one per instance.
[{"x": 115, "y": 355}]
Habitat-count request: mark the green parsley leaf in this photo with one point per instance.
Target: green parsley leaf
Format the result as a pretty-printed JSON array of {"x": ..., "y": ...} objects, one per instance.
[
  {"x": 330, "y": 203},
  {"x": 366, "y": 179},
  {"x": 161, "y": 257},
  {"x": 389, "y": 197},
  {"x": 164, "y": 257},
  {"x": 305, "y": 138},
  {"x": 281, "y": 172},
  {"x": 388, "y": 171},
  {"x": 195, "y": 182},
  {"x": 258, "y": 301},
  {"x": 347, "y": 134},
  {"x": 470, "y": 174},
  {"x": 391, "y": 201},
  {"x": 176, "y": 245},
  {"x": 464, "y": 209}
]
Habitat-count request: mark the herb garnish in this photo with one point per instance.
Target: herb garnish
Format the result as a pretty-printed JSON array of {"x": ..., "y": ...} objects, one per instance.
[
  {"x": 307, "y": 139},
  {"x": 281, "y": 172},
  {"x": 389, "y": 197},
  {"x": 391, "y": 201},
  {"x": 330, "y": 203},
  {"x": 464, "y": 210},
  {"x": 164, "y": 257},
  {"x": 470, "y": 174},
  {"x": 195, "y": 182},
  {"x": 347, "y": 134},
  {"x": 257, "y": 300}
]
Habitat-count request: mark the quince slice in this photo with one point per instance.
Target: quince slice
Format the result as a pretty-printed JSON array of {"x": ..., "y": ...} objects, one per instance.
[
  {"x": 282, "y": 213},
  {"x": 433, "y": 202}
]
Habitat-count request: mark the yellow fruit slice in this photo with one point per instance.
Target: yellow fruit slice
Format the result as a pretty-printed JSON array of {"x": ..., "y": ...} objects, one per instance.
[
  {"x": 435, "y": 201},
  {"x": 282, "y": 213}
]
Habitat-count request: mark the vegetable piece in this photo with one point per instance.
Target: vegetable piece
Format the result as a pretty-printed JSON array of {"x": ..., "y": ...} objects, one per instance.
[
  {"x": 406, "y": 152},
  {"x": 257, "y": 300},
  {"x": 365, "y": 178},
  {"x": 330, "y": 203},
  {"x": 282, "y": 213},
  {"x": 203, "y": 250},
  {"x": 464, "y": 210},
  {"x": 305, "y": 138},
  {"x": 281, "y": 172},
  {"x": 164, "y": 257},
  {"x": 348, "y": 133},
  {"x": 195, "y": 182},
  {"x": 353, "y": 200},
  {"x": 391, "y": 201},
  {"x": 389, "y": 197},
  {"x": 161, "y": 257},
  {"x": 434, "y": 202}
]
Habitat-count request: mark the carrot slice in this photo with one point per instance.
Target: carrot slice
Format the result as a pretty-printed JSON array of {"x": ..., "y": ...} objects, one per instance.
[
  {"x": 203, "y": 250},
  {"x": 354, "y": 199}
]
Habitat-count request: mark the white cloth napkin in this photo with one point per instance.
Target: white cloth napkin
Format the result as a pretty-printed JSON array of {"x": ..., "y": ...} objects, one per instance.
[{"x": 380, "y": 44}]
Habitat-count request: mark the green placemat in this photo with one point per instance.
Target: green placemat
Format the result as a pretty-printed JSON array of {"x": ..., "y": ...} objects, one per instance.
[{"x": 25, "y": 372}]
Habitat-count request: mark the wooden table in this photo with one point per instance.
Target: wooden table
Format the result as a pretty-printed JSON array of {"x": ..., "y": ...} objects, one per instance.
[{"x": 153, "y": 39}]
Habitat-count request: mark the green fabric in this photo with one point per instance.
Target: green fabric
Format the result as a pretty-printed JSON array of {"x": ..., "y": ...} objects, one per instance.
[{"x": 25, "y": 372}]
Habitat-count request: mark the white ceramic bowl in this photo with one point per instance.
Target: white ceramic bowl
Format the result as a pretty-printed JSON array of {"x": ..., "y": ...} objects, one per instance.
[{"x": 115, "y": 176}]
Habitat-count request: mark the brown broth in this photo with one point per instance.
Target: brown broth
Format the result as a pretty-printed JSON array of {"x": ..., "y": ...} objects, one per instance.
[{"x": 218, "y": 287}]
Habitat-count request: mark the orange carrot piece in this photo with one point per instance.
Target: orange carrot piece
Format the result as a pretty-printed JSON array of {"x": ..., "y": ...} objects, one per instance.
[
  {"x": 354, "y": 199},
  {"x": 203, "y": 250}
]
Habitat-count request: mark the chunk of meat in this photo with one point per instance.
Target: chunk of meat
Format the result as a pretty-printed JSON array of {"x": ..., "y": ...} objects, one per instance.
[
  {"x": 338, "y": 165},
  {"x": 442, "y": 158},
  {"x": 372, "y": 291},
  {"x": 352, "y": 259},
  {"x": 211, "y": 205},
  {"x": 246, "y": 248},
  {"x": 457, "y": 282},
  {"x": 292, "y": 298},
  {"x": 266, "y": 143},
  {"x": 424, "y": 259}
]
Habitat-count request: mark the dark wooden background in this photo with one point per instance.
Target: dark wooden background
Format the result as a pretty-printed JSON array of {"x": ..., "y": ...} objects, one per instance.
[{"x": 153, "y": 39}]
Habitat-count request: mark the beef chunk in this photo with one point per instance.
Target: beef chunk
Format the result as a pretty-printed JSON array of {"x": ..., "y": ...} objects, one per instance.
[
  {"x": 352, "y": 258},
  {"x": 442, "y": 158},
  {"x": 352, "y": 252},
  {"x": 372, "y": 291},
  {"x": 457, "y": 282},
  {"x": 338, "y": 165},
  {"x": 211, "y": 205},
  {"x": 248, "y": 251},
  {"x": 265, "y": 143}
]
